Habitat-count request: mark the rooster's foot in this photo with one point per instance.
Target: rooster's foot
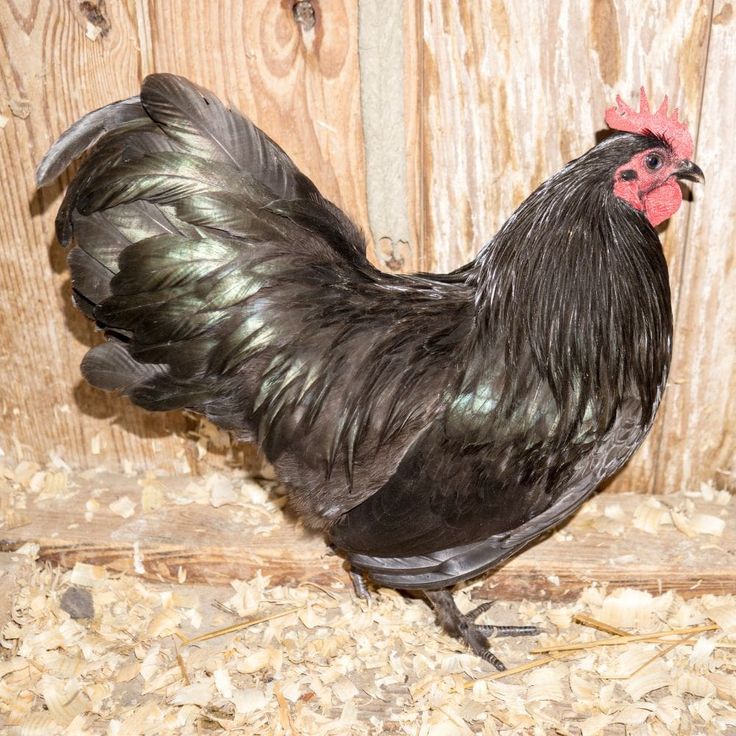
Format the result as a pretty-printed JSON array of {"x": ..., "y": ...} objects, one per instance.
[{"x": 463, "y": 626}]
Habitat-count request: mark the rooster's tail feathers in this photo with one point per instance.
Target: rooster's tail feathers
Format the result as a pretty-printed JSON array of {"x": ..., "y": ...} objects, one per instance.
[
  {"x": 83, "y": 135},
  {"x": 180, "y": 214}
]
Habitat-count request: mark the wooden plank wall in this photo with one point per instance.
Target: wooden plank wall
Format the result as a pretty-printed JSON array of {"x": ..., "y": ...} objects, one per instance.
[{"x": 496, "y": 96}]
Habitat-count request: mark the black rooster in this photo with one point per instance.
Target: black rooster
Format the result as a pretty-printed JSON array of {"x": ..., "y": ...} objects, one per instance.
[{"x": 431, "y": 425}]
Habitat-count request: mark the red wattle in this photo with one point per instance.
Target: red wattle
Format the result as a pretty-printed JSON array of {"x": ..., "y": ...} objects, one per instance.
[{"x": 661, "y": 203}]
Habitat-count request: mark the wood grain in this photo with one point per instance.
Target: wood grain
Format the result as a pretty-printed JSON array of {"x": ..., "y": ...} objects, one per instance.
[
  {"x": 51, "y": 75},
  {"x": 698, "y": 439},
  {"x": 216, "y": 545}
]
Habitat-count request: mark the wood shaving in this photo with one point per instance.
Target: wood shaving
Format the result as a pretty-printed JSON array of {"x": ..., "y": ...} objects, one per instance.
[
  {"x": 634, "y": 608},
  {"x": 698, "y": 524},
  {"x": 221, "y": 489},
  {"x": 124, "y": 507},
  {"x": 90, "y": 576},
  {"x": 649, "y": 515},
  {"x": 92, "y": 31},
  {"x": 153, "y": 495},
  {"x": 722, "y": 611},
  {"x": 234, "y": 681},
  {"x": 96, "y": 444}
]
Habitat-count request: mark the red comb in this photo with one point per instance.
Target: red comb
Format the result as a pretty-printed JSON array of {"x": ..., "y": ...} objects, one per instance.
[{"x": 623, "y": 117}]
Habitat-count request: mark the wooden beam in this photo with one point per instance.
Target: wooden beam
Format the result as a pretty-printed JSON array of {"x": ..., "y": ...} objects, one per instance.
[{"x": 215, "y": 545}]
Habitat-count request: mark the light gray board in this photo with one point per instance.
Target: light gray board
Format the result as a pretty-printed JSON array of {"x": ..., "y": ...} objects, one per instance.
[{"x": 381, "y": 44}]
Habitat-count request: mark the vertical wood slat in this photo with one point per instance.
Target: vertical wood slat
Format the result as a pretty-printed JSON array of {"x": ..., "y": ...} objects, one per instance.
[
  {"x": 699, "y": 427},
  {"x": 51, "y": 75},
  {"x": 382, "y": 83},
  {"x": 513, "y": 90},
  {"x": 414, "y": 96}
]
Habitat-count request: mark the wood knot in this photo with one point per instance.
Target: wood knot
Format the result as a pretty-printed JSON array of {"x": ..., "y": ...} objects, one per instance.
[
  {"x": 95, "y": 14},
  {"x": 389, "y": 253},
  {"x": 304, "y": 14}
]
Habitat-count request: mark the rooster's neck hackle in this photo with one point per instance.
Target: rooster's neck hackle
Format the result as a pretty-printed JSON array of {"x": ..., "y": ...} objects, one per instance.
[{"x": 574, "y": 288}]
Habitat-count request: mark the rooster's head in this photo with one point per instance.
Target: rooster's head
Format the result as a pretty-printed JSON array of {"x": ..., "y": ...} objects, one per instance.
[{"x": 648, "y": 181}]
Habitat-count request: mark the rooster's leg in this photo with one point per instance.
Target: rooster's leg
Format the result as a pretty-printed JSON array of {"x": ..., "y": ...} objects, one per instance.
[
  {"x": 463, "y": 626},
  {"x": 360, "y": 587}
]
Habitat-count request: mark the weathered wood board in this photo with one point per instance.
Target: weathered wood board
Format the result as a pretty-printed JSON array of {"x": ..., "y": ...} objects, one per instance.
[
  {"x": 698, "y": 422},
  {"x": 496, "y": 96},
  {"x": 235, "y": 541},
  {"x": 52, "y": 73}
]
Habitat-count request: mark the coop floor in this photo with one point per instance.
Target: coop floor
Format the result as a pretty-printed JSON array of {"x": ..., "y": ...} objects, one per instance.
[{"x": 109, "y": 582}]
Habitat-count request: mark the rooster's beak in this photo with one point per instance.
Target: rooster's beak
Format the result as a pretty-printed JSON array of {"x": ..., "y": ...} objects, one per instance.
[{"x": 690, "y": 171}]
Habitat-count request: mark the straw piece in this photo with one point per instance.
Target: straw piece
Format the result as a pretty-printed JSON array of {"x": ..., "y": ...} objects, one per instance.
[
  {"x": 585, "y": 620},
  {"x": 616, "y": 640},
  {"x": 235, "y": 627}
]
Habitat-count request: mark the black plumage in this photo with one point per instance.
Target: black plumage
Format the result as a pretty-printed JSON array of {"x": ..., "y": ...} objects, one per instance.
[{"x": 431, "y": 424}]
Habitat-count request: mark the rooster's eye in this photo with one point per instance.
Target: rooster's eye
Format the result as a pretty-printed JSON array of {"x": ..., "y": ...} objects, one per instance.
[{"x": 653, "y": 161}]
